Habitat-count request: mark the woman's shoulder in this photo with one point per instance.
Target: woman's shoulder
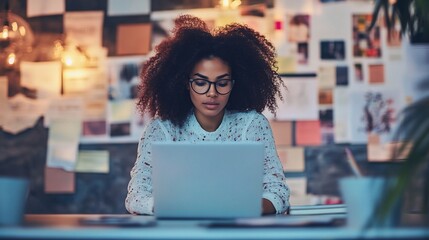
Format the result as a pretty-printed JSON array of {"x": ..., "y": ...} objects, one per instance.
[{"x": 156, "y": 124}]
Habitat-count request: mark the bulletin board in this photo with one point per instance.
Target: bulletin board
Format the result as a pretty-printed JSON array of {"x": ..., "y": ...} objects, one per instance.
[{"x": 337, "y": 76}]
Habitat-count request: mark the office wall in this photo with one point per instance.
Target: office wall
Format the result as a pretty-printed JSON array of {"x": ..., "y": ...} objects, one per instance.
[{"x": 24, "y": 154}]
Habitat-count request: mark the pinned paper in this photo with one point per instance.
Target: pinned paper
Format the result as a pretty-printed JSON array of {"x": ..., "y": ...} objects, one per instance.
[
  {"x": 42, "y": 7},
  {"x": 282, "y": 132},
  {"x": 383, "y": 152},
  {"x": 327, "y": 77},
  {"x": 63, "y": 143},
  {"x": 124, "y": 77},
  {"x": 64, "y": 108},
  {"x": 22, "y": 113},
  {"x": 377, "y": 151},
  {"x": 128, "y": 7},
  {"x": 325, "y": 96},
  {"x": 374, "y": 112},
  {"x": 342, "y": 75},
  {"x": 308, "y": 133},
  {"x": 59, "y": 181},
  {"x": 286, "y": 64},
  {"x": 44, "y": 77},
  {"x": 376, "y": 73},
  {"x": 94, "y": 128},
  {"x": 121, "y": 111},
  {"x": 298, "y": 28},
  {"x": 327, "y": 125},
  {"x": 138, "y": 44},
  {"x": 254, "y": 16},
  {"x": 341, "y": 115},
  {"x": 83, "y": 81},
  {"x": 300, "y": 99},
  {"x": 64, "y": 119},
  {"x": 93, "y": 161},
  {"x": 120, "y": 129},
  {"x": 84, "y": 28},
  {"x": 292, "y": 158},
  {"x": 120, "y": 117}
]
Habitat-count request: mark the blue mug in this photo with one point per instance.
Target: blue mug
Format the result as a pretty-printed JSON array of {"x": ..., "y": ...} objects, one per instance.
[{"x": 13, "y": 198}]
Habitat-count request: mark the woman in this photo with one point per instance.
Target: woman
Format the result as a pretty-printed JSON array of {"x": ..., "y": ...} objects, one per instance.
[{"x": 209, "y": 86}]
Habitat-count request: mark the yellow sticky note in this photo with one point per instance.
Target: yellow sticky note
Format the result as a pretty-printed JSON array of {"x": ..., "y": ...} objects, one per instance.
[
  {"x": 92, "y": 161},
  {"x": 292, "y": 158}
]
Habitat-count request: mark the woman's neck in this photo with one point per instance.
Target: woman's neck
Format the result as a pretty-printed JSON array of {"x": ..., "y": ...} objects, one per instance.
[{"x": 209, "y": 124}]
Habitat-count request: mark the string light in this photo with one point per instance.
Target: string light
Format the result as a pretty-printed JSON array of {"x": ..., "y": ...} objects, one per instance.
[{"x": 16, "y": 38}]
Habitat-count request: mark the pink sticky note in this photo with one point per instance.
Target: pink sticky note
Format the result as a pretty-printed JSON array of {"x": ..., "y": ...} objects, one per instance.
[{"x": 308, "y": 133}]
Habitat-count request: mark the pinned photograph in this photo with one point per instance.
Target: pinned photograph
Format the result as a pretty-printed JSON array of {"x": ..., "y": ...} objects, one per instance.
[
  {"x": 358, "y": 72},
  {"x": 327, "y": 126},
  {"x": 332, "y": 50},
  {"x": 298, "y": 28},
  {"x": 124, "y": 77},
  {"x": 376, "y": 73},
  {"x": 365, "y": 44},
  {"x": 342, "y": 75}
]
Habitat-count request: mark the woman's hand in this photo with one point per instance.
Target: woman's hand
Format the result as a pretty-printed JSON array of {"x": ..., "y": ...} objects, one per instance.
[{"x": 267, "y": 207}]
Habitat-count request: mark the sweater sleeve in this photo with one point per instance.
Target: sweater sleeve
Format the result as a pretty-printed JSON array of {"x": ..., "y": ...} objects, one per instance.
[
  {"x": 139, "y": 198},
  {"x": 274, "y": 183}
]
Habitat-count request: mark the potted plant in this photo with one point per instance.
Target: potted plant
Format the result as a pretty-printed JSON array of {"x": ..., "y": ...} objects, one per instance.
[{"x": 412, "y": 133}]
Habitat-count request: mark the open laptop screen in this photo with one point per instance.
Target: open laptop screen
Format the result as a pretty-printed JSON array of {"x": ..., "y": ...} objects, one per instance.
[{"x": 207, "y": 180}]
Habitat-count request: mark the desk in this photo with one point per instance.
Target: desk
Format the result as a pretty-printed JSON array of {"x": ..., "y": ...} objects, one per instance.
[{"x": 68, "y": 227}]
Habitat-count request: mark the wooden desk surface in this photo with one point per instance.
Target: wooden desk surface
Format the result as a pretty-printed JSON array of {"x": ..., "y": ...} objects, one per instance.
[{"x": 58, "y": 226}]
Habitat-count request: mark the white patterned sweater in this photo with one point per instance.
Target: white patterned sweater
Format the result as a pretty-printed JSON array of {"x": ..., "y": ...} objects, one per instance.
[{"x": 235, "y": 126}]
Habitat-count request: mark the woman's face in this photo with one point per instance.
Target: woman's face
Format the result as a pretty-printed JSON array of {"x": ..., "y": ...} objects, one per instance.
[{"x": 210, "y": 104}]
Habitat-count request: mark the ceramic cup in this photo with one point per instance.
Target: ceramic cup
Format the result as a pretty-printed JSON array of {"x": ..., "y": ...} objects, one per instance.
[
  {"x": 363, "y": 196},
  {"x": 13, "y": 196}
]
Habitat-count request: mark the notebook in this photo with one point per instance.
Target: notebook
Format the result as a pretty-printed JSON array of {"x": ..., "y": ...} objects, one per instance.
[{"x": 209, "y": 180}]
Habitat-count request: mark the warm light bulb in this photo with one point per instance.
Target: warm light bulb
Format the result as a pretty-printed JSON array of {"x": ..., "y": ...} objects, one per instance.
[
  {"x": 11, "y": 58},
  {"x": 5, "y": 32},
  {"x": 230, "y": 4},
  {"x": 14, "y": 26},
  {"x": 68, "y": 61},
  {"x": 22, "y": 30},
  {"x": 225, "y": 3}
]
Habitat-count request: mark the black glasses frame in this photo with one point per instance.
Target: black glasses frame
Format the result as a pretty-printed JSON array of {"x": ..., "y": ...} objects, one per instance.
[{"x": 210, "y": 85}]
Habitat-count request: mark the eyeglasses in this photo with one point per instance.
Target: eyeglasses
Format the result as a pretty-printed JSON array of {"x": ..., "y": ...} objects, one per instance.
[{"x": 202, "y": 86}]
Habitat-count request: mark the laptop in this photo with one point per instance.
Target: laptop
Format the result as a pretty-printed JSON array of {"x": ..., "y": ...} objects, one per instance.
[{"x": 211, "y": 180}]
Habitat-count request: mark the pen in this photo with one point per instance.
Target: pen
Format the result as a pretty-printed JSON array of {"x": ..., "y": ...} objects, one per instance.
[{"x": 352, "y": 162}]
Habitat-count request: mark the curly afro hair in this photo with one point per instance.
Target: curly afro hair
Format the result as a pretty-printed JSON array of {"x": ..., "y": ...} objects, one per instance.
[{"x": 164, "y": 92}]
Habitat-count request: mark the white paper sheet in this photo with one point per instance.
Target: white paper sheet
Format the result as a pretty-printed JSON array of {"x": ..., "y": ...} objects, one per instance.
[
  {"x": 65, "y": 126},
  {"x": 65, "y": 107},
  {"x": 84, "y": 81},
  {"x": 63, "y": 143},
  {"x": 22, "y": 113},
  {"x": 327, "y": 76},
  {"x": 128, "y": 7},
  {"x": 373, "y": 111},
  {"x": 300, "y": 100},
  {"x": 84, "y": 28},
  {"x": 341, "y": 114},
  {"x": 42, "y": 7},
  {"x": 44, "y": 77}
]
